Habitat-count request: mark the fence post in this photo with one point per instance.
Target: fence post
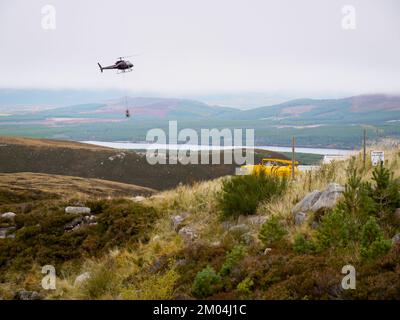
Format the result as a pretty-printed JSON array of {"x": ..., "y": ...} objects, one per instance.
[
  {"x": 365, "y": 148},
  {"x": 293, "y": 156}
]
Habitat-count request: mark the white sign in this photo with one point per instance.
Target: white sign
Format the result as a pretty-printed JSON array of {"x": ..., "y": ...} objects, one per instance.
[
  {"x": 329, "y": 158},
  {"x": 377, "y": 157}
]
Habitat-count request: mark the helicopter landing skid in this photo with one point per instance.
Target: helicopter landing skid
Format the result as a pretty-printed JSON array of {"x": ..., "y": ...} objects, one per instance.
[{"x": 124, "y": 71}]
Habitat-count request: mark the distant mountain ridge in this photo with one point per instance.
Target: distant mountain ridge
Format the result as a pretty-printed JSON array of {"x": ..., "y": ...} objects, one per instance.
[
  {"x": 358, "y": 109},
  {"x": 327, "y": 123},
  {"x": 165, "y": 108},
  {"x": 364, "y": 108},
  {"x": 378, "y": 108}
]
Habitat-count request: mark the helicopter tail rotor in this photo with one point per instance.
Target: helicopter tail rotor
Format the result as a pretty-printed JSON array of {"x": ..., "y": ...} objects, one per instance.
[{"x": 101, "y": 68}]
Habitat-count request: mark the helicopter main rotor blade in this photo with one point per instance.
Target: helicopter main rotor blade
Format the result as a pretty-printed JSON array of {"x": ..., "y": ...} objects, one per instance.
[{"x": 132, "y": 55}]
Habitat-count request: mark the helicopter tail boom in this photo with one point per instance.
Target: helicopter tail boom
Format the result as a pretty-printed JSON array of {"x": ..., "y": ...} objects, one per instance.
[{"x": 101, "y": 68}]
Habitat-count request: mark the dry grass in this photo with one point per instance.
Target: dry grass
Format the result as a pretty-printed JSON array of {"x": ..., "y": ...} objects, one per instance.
[
  {"x": 67, "y": 186},
  {"x": 197, "y": 203}
]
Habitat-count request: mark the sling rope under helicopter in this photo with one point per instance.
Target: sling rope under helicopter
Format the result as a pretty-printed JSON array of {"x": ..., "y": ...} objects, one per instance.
[{"x": 127, "y": 112}]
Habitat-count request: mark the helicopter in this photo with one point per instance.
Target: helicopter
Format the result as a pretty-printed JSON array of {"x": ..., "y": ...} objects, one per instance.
[
  {"x": 123, "y": 66},
  {"x": 120, "y": 64}
]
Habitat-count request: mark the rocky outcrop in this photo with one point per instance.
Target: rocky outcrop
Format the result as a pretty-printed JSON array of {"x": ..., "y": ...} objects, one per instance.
[
  {"x": 8, "y": 215},
  {"x": 177, "y": 220},
  {"x": 239, "y": 230},
  {"x": 79, "y": 222},
  {"x": 396, "y": 239},
  {"x": 317, "y": 200},
  {"x": 299, "y": 218},
  {"x": 77, "y": 210},
  {"x": 255, "y": 220},
  {"x": 26, "y": 295},
  {"x": 5, "y": 232},
  {"x": 187, "y": 233},
  {"x": 328, "y": 197},
  {"x": 119, "y": 156},
  {"x": 82, "y": 278},
  {"x": 267, "y": 250},
  {"x": 307, "y": 203},
  {"x": 226, "y": 225},
  {"x": 139, "y": 199}
]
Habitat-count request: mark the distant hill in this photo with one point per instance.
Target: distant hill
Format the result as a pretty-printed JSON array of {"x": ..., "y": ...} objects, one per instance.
[
  {"x": 358, "y": 109},
  {"x": 169, "y": 108},
  {"x": 141, "y": 108},
  {"x": 326, "y": 123},
  {"x": 81, "y": 160}
]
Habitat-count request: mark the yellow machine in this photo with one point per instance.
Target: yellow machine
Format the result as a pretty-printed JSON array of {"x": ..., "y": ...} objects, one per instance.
[{"x": 272, "y": 166}]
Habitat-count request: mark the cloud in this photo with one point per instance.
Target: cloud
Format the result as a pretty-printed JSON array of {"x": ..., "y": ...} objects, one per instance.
[{"x": 190, "y": 46}]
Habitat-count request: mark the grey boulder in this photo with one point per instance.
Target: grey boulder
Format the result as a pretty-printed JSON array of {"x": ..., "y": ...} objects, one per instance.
[
  {"x": 299, "y": 218},
  {"x": 79, "y": 280},
  {"x": 256, "y": 220},
  {"x": 328, "y": 197},
  {"x": 316, "y": 199},
  {"x": 307, "y": 202},
  {"x": 26, "y": 295},
  {"x": 176, "y": 221},
  {"x": 139, "y": 199},
  {"x": 77, "y": 210},
  {"x": 78, "y": 222},
  {"x": 239, "y": 229},
  {"x": 187, "y": 233},
  {"x": 4, "y": 232},
  {"x": 396, "y": 239},
  {"x": 8, "y": 215}
]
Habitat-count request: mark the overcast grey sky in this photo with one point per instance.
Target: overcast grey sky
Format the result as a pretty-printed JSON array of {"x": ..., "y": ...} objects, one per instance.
[{"x": 203, "y": 46}]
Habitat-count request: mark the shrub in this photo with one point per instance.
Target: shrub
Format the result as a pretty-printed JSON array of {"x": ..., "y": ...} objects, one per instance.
[
  {"x": 302, "y": 244},
  {"x": 206, "y": 283},
  {"x": 244, "y": 288},
  {"x": 356, "y": 200},
  {"x": 272, "y": 232},
  {"x": 385, "y": 192},
  {"x": 232, "y": 259},
  {"x": 242, "y": 194},
  {"x": 154, "y": 287},
  {"x": 336, "y": 230},
  {"x": 373, "y": 243},
  {"x": 41, "y": 237}
]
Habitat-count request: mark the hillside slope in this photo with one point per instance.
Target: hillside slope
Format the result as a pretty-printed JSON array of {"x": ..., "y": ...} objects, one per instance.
[
  {"x": 43, "y": 186},
  {"x": 179, "y": 245},
  {"x": 83, "y": 160}
]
